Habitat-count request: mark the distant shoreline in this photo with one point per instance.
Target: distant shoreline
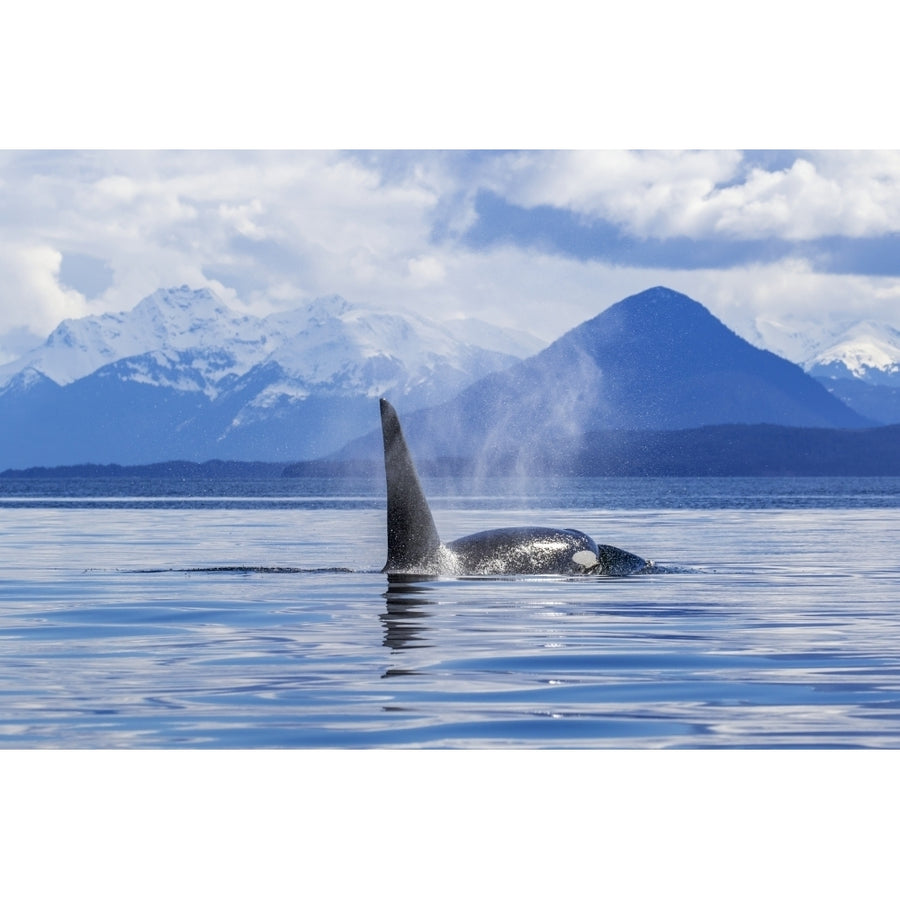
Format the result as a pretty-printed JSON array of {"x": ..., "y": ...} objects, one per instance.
[
  {"x": 171, "y": 469},
  {"x": 716, "y": 450}
]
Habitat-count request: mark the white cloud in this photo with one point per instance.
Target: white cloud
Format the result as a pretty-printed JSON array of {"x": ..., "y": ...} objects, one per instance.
[
  {"x": 157, "y": 219},
  {"x": 243, "y": 218},
  {"x": 652, "y": 193},
  {"x": 31, "y": 299},
  {"x": 426, "y": 270},
  {"x": 707, "y": 194},
  {"x": 855, "y": 195}
]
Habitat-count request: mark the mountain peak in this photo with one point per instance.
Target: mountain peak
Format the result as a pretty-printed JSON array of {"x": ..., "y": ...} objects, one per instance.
[
  {"x": 324, "y": 308},
  {"x": 657, "y": 314},
  {"x": 180, "y": 296},
  {"x": 869, "y": 351},
  {"x": 658, "y": 327},
  {"x": 183, "y": 302},
  {"x": 26, "y": 380},
  {"x": 659, "y": 304},
  {"x": 178, "y": 318},
  {"x": 658, "y": 360},
  {"x": 658, "y": 295}
]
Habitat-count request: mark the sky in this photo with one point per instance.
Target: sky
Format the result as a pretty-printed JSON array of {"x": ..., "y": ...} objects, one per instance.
[
  {"x": 782, "y": 245},
  {"x": 535, "y": 240}
]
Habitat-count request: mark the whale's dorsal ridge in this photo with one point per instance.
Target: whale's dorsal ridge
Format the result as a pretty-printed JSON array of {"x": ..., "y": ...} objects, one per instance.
[{"x": 411, "y": 532}]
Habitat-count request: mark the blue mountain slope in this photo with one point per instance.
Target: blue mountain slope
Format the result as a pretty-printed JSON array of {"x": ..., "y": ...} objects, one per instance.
[
  {"x": 655, "y": 361},
  {"x": 661, "y": 360}
]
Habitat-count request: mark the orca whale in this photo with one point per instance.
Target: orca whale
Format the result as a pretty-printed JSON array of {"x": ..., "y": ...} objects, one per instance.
[{"x": 415, "y": 549}]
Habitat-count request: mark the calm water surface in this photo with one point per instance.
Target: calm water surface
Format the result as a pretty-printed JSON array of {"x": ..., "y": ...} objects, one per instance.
[{"x": 226, "y": 615}]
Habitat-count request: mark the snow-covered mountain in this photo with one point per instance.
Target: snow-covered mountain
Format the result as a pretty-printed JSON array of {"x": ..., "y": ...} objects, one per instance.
[
  {"x": 197, "y": 379},
  {"x": 168, "y": 321},
  {"x": 869, "y": 351},
  {"x": 859, "y": 363},
  {"x": 327, "y": 343},
  {"x": 793, "y": 339},
  {"x": 861, "y": 367}
]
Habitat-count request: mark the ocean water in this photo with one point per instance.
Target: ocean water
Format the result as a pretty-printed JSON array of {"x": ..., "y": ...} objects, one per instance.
[{"x": 254, "y": 615}]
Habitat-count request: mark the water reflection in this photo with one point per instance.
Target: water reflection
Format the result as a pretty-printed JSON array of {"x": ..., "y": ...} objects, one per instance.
[{"x": 406, "y": 608}]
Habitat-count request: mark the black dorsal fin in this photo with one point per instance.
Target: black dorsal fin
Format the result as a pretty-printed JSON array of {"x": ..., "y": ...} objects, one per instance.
[{"x": 412, "y": 537}]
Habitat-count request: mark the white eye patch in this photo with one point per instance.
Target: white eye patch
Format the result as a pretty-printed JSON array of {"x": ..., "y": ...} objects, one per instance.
[{"x": 585, "y": 558}]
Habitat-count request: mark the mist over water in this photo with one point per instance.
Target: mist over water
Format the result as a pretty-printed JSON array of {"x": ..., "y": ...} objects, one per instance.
[
  {"x": 262, "y": 620},
  {"x": 552, "y": 429}
]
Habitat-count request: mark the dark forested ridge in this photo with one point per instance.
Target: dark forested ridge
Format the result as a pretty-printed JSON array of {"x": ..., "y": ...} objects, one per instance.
[
  {"x": 742, "y": 450},
  {"x": 182, "y": 469},
  {"x": 712, "y": 450}
]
